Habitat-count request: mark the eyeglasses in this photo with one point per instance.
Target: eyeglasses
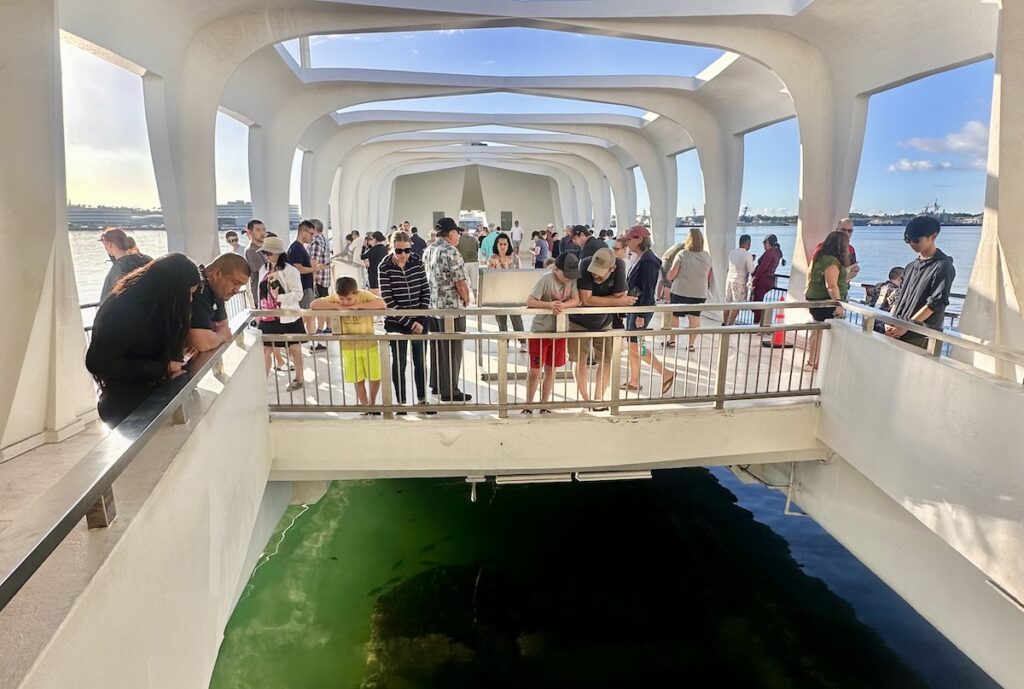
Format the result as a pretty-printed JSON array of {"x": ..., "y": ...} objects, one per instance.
[
  {"x": 232, "y": 241},
  {"x": 403, "y": 251}
]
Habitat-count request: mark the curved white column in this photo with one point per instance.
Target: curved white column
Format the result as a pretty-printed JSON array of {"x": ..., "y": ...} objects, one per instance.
[
  {"x": 995, "y": 298},
  {"x": 45, "y": 389}
]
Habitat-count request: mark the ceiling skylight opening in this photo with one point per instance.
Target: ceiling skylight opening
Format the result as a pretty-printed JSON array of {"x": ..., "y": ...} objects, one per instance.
[{"x": 505, "y": 52}]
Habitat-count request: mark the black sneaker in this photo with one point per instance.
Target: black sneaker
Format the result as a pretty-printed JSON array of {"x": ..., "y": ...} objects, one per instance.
[
  {"x": 458, "y": 397},
  {"x": 317, "y": 347},
  {"x": 423, "y": 403}
]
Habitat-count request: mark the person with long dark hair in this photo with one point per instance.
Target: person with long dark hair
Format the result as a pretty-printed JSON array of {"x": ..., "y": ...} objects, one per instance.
[
  {"x": 763, "y": 279},
  {"x": 280, "y": 287},
  {"x": 504, "y": 257},
  {"x": 827, "y": 280},
  {"x": 138, "y": 337}
]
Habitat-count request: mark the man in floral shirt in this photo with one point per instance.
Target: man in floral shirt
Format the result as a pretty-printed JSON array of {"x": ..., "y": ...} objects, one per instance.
[{"x": 449, "y": 289}]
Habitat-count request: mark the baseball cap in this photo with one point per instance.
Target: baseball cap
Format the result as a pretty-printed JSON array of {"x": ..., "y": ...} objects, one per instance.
[
  {"x": 921, "y": 226},
  {"x": 272, "y": 245},
  {"x": 577, "y": 230},
  {"x": 569, "y": 264},
  {"x": 602, "y": 262},
  {"x": 549, "y": 226},
  {"x": 638, "y": 232},
  {"x": 446, "y": 225}
]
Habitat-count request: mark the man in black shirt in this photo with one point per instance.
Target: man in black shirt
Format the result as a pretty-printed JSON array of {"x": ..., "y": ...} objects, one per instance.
[
  {"x": 587, "y": 244},
  {"x": 924, "y": 294},
  {"x": 602, "y": 283},
  {"x": 224, "y": 278}
]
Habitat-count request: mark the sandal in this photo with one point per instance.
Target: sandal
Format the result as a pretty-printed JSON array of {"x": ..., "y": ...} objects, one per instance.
[
  {"x": 627, "y": 386},
  {"x": 669, "y": 344},
  {"x": 691, "y": 348},
  {"x": 666, "y": 384},
  {"x": 525, "y": 411},
  {"x": 545, "y": 411},
  {"x": 295, "y": 385},
  {"x": 599, "y": 409}
]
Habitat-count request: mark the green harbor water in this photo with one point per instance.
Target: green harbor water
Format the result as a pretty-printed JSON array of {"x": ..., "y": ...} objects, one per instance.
[{"x": 399, "y": 584}]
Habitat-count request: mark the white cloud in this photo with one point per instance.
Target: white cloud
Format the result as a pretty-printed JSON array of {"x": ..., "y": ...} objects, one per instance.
[
  {"x": 972, "y": 139},
  {"x": 907, "y": 165},
  {"x": 449, "y": 32}
]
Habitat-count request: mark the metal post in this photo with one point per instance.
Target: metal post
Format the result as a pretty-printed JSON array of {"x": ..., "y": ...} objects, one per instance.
[
  {"x": 934, "y": 347},
  {"x": 384, "y": 352},
  {"x": 103, "y": 512},
  {"x": 723, "y": 366},
  {"x": 502, "y": 377},
  {"x": 867, "y": 323},
  {"x": 616, "y": 375}
]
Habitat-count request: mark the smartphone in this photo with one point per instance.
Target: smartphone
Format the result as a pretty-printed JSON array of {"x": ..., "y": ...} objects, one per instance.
[{"x": 634, "y": 292}]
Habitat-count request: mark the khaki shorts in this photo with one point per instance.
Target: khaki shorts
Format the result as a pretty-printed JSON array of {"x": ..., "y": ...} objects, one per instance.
[
  {"x": 584, "y": 349},
  {"x": 735, "y": 291}
]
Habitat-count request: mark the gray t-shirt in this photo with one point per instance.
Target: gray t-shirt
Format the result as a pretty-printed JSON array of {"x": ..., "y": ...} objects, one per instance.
[
  {"x": 692, "y": 279},
  {"x": 548, "y": 288}
]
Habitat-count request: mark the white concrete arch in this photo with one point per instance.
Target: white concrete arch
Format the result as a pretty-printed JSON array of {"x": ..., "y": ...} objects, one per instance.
[
  {"x": 572, "y": 189},
  {"x": 398, "y": 164},
  {"x": 578, "y": 170},
  {"x": 330, "y": 143},
  {"x": 353, "y": 168}
]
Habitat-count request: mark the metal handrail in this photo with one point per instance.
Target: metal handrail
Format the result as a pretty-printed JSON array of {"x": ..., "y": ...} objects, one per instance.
[
  {"x": 37, "y": 530},
  {"x": 954, "y": 339},
  {"x": 526, "y": 311}
]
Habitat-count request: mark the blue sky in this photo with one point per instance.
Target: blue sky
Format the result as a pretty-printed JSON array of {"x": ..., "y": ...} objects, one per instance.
[{"x": 925, "y": 140}]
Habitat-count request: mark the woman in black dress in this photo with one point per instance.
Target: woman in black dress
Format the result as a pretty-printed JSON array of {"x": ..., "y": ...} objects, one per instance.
[{"x": 138, "y": 337}]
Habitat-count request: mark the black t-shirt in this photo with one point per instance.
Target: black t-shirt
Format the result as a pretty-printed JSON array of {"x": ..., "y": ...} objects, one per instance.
[
  {"x": 207, "y": 308},
  {"x": 591, "y": 247},
  {"x": 298, "y": 256},
  {"x": 614, "y": 284}
]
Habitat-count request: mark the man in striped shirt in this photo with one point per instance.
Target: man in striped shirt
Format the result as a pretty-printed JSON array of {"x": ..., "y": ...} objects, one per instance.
[{"x": 403, "y": 285}]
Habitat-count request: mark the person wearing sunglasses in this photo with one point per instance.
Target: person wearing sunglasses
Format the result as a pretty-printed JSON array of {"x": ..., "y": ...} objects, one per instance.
[
  {"x": 231, "y": 237},
  {"x": 927, "y": 280},
  {"x": 403, "y": 285}
]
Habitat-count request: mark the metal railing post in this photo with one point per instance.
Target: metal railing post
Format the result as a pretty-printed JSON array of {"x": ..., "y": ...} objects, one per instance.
[
  {"x": 502, "y": 377},
  {"x": 103, "y": 512},
  {"x": 934, "y": 347},
  {"x": 723, "y": 370},
  {"x": 384, "y": 353},
  {"x": 615, "y": 375}
]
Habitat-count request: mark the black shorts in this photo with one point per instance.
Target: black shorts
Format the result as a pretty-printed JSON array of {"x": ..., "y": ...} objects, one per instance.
[
  {"x": 820, "y": 314},
  {"x": 319, "y": 291},
  {"x": 279, "y": 328},
  {"x": 679, "y": 299}
]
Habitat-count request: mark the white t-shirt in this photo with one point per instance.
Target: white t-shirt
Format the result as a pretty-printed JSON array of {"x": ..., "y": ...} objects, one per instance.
[
  {"x": 741, "y": 265},
  {"x": 517, "y": 233}
]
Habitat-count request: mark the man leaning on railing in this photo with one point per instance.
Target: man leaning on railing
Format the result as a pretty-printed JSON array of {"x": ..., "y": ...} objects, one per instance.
[{"x": 924, "y": 294}]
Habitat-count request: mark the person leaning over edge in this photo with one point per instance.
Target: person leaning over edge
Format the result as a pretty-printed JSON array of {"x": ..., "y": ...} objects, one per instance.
[
  {"x": 138, "y": 337},
  {"x": 224, "y": 278},
  {"x": 924, "y": 294},
  {"x": 555, "y": 291}
]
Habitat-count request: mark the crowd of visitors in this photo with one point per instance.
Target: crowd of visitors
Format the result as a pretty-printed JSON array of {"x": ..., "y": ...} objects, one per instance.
[{"x": 155, "y": 315}]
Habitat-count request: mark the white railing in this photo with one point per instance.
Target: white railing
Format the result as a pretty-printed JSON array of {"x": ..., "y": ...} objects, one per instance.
[{"x": 726, "y": 364}]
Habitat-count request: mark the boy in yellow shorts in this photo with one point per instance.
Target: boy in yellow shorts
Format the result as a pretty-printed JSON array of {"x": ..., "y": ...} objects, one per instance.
[{"x": 360, "y": 360}]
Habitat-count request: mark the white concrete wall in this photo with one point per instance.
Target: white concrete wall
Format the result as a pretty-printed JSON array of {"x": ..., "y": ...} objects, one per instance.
[
  {"x": 527, "y": 196},
  {"x": 418, "y": 196},
  {"x": 938, "y": 437},
  {"x": 153, "y": 614},
  {"x": 942, "y": 585},
  {"x": 456, "y": 447}
]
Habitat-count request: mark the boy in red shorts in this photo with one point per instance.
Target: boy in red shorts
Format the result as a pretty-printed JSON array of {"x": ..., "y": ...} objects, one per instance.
[{"x": 553, "y": 292}]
